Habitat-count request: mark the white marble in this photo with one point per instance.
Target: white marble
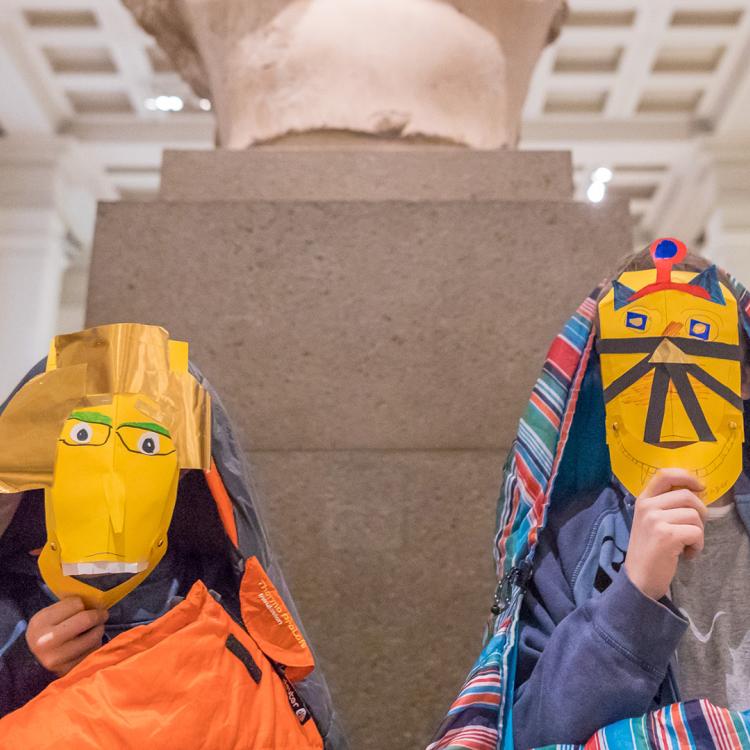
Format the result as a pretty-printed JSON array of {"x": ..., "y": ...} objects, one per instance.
[{"x": 449, "y": 71}]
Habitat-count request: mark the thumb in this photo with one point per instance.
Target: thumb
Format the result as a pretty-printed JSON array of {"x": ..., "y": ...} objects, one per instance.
[{"x": 690, "y": 553}]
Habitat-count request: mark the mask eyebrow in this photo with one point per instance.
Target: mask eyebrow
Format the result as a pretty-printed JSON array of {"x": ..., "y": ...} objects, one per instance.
[
  {"x": 150, "y": 426},
  {"x": 92, "y": 417}
]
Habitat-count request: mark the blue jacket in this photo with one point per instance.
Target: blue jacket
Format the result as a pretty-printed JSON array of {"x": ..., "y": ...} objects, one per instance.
[{"x": 593, "y": 649}]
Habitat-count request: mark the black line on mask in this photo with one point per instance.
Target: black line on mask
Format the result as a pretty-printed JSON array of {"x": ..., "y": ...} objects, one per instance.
[
  {"x": 716, "y": 386},
  {"x": 631, "y": 377},
  {"x": 712, "y": 349},
  {"x": 649, "y": 344},
  {"x": 689, "y": 400},
  {"x": 645, "y": 345},
  {"x": 657, "y": 405}
]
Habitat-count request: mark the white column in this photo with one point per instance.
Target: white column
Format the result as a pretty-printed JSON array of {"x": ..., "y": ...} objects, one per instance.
[
  {"x": 32, "y": 262},
  {"x": 48, "y": 193},
  {"x": 728, "y": 231}
]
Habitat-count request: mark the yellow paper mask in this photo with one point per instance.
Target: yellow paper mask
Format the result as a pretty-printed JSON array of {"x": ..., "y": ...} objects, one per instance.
[
  {"x": 670, "y": 360},
  {"x": 137, "y": 418}
]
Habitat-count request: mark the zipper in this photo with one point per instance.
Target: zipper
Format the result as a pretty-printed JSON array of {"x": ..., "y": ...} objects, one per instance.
[{"x": 516, "y": 578}]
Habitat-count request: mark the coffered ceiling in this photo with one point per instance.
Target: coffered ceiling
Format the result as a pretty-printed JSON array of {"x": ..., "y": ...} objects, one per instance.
[{"x": 638, "y": 86}]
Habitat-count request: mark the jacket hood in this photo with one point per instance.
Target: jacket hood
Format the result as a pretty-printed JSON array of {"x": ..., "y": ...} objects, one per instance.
[
  {"x": 564, "y": 420},
  {"x": 231, "y": 524}
]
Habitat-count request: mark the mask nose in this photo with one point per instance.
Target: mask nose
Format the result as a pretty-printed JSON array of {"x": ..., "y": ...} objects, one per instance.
[
  {"x": 114, "y": 496},
  {"x": 668, "y": 353},
  {"x": 673, "y": 329}
]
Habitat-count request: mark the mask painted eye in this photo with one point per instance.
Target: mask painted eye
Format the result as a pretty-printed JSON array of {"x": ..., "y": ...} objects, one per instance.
[
  {"x": 146, "y": 439},
  {"x": 636, "y": 320},
  {"x": 149, "y": 444},
  {"x": 81, "y": 433},
  {"x": 700, "y": 330}
]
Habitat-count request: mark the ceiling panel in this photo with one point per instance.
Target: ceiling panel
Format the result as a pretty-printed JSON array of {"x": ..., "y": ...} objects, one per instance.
[{"x": 632, "y": 85}]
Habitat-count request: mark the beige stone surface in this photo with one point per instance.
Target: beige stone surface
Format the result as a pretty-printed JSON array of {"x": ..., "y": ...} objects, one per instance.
[
  {"x": 389, "y": 556},
  {"x": 444, "y": 174},
  {"x": 375, "y": 355},
  {"x": 447, "y": 70},
  {"x": 395, "y": 325}
]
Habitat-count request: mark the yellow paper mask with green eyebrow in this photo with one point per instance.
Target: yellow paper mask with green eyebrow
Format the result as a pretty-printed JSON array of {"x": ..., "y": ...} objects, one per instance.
[
  {"x": 670, "y": 361},
  {"x": 123, "y": 415}
]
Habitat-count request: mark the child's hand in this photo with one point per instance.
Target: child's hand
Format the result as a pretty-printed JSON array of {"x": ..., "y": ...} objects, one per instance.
[
  {"x": 668, "y": 522},
  {"x": 64, "y": 633}
]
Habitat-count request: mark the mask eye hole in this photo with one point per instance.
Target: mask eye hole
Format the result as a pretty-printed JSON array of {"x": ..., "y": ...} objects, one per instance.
[
  {"x": 636, "y": 320},
  {"x": 146, "y": 439},
  {"x": 77, "y": 432},
  {"x": 80, "y": 433},
  {"x": 699, "y": 329},
  {"x": 149, "y": 444}
]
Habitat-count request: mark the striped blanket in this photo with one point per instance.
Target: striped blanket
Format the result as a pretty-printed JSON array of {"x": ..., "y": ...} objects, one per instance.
[
  {"x": 480, "y": 718},
  {"x": 696, "y": 724}
]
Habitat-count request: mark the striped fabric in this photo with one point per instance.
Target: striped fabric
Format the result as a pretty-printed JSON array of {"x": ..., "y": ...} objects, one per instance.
[
  {"x": 541, "y": 436},
  {"x": 477, "y": 718},
  {"x": 743, "y": 300},
  {"x": 696, "y": 724}
]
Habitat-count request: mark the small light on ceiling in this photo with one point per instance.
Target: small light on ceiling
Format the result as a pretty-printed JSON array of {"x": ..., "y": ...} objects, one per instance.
[
  {"x": 205, "y": 105},
  {"x": 598, "y": 187},
  {"x": 596, "y": 192},
  {"x": 164, "y": 103}
]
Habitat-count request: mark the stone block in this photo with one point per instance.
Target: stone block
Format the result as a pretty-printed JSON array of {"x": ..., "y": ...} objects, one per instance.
[
  {"x": 389, "y": 556},
  {"x": 443, "y": 174},
  {"x": 375, "y": 348},
  {"x": 395, "y": 325}
]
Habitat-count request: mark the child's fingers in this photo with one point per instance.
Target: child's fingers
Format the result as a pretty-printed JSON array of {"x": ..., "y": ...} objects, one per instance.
[
  {"x": 63, "y": 610},
  {"x": 63, "y": 669},
  {"x": 682, "y": 498},
  {"x": 77, "y": 648},
  {"x": 79, "y": 623},
  {"x": 683, "y": 517},
  {"x": 666, "y": 480},
  {"x": 691, "y": 537}
]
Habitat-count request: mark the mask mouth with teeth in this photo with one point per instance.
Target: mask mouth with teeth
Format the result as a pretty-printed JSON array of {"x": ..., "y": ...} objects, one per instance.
[
  {"x": 94, "y": 569},
  {"x": 671, "y": 369}
]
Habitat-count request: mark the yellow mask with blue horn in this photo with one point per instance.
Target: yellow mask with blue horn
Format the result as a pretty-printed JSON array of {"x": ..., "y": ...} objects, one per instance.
[{"x": 671, "y": 372}]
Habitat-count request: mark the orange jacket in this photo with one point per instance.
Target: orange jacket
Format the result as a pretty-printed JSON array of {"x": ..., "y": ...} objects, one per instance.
[{"x": 194, "y": 678}]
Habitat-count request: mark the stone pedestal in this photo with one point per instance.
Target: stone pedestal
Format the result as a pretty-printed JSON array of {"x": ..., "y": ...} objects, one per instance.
[
  {"x": 376, "y": 344},
  {"x": 394, "y": 172}
]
